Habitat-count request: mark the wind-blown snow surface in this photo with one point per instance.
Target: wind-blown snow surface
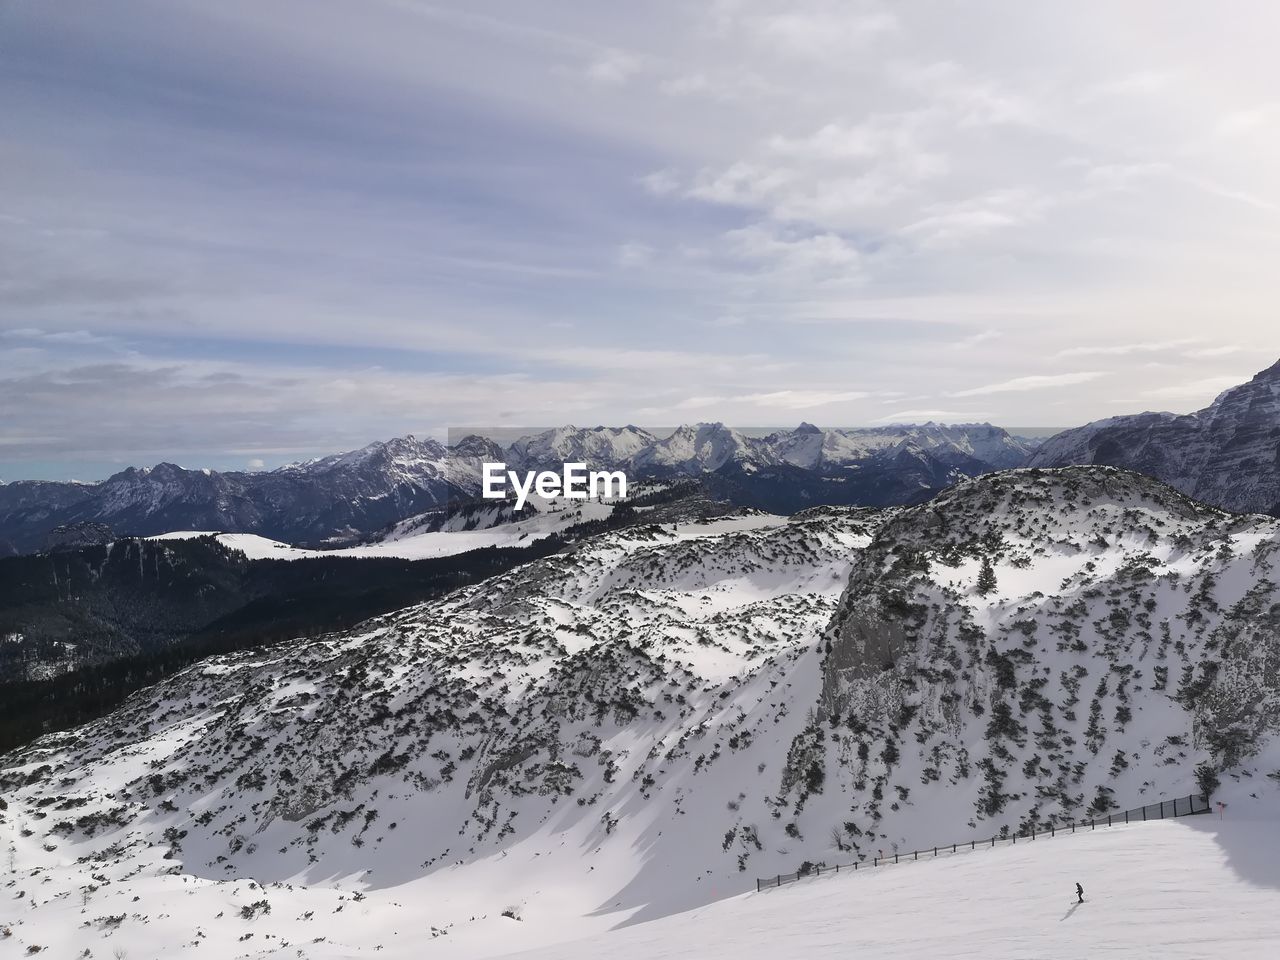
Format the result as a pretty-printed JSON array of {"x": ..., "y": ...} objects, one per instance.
[{"x": 643, "y": 724}]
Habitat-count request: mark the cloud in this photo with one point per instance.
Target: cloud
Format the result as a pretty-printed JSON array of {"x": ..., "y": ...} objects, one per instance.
[
  {"x": 803, "y": 399},
  {"x": 635, "y": 254},
  {"x": 1205, "y": 389},
  {"x": 1125, "y": 349},
  {"x": 791, "y": 252},
  {"x": 1034, "y": 382},
  {"x": 818, "y": 33},
  {"x": 614, "y": 67},
  {"x": 937, "y": 416},
  {"x": 1225, "y": 350},
  {"x": 83, "y": 337},
  {"x": 256, "y": 463}
]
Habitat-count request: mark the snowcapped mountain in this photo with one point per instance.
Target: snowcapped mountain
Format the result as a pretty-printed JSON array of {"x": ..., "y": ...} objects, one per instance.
[
  {"x": 699, "y": 448},
  {"x": 597, "y": 447},
  {"x": 975, "y": 445},
  {"x": 401, "y": 460},
  {"x": 645, "y": 722},
  {"x": 342, "y": 495},
  {"x": 1227, "y": 454},
  {"x": 349, "y": 496}
]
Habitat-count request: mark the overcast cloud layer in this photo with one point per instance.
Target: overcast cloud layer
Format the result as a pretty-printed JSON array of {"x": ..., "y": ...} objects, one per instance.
[{"x": 249, "y": 231}]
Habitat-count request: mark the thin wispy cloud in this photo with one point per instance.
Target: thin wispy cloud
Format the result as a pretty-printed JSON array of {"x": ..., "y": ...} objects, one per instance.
[
  {"x": 938, "y": 416},
  {"x": 1203, "y": 390},
  {"x": 1126, "y": 349},
  {"x": 1034, "y": 382}
]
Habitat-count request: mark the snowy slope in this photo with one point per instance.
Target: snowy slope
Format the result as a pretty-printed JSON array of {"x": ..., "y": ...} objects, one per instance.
[
  {"x": 1179, "y": 889},
  {"x": 644, "y": 723},
  {"x": 548, "y": 517}
]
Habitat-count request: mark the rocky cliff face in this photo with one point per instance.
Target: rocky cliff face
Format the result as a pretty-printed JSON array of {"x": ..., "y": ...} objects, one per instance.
[{"x": 1227, "y": 454}]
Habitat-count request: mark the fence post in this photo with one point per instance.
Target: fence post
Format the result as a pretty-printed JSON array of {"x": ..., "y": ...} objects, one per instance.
[
  {"x": 935, "y": 851},
  {"x": 779, "y": 879},
  {"x": 1161, "y": 809},
  {"x": 895, "y": 858},
  {"x": 993, "y": 841},
  {"x": 1108, "y": 819},
  {"x": 1052, "y": 831},
  {"x": 1092, "y": 825}
]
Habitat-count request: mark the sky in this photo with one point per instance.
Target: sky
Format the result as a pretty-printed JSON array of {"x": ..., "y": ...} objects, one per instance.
[{"x": 238, "y": 233}]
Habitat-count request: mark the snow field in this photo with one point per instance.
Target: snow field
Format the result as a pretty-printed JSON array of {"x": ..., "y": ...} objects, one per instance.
[{"x": 1185, "y": 889}]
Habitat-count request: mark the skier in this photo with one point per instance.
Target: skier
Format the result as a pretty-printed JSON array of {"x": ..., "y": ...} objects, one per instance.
[{"x": 1079, "y": 894}]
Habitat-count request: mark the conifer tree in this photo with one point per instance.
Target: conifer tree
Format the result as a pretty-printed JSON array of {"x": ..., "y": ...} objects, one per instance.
[{"x": 986, "y": 578}]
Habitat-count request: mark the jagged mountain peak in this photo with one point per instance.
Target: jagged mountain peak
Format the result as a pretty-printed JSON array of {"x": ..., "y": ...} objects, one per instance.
[
  {"x": 598, "y": 447},
  {"x": 702, "y": 447},
  {"x": 1272, "y": 373},
  {"x": 407, "y": 452}
]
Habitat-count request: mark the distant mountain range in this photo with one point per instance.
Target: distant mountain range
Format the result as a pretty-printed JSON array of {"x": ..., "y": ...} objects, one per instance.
[
  {"x": 356, "y": 494},
  {"x": 1227, "y": 455}
]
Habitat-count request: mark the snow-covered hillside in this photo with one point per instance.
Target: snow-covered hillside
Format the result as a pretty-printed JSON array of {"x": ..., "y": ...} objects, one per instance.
[
  {"x": 1188, "y": 889},
  {"x": 643, "y": 724}
]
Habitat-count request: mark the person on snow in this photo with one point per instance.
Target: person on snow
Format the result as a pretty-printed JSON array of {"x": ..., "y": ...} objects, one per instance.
[{"x": 1079, "y": 894}]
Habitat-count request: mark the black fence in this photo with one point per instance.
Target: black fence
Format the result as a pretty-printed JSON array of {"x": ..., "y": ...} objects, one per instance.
[{"x": 1164, "y": 809}]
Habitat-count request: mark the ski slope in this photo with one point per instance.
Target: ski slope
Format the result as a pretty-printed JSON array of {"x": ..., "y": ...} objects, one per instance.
[{"x": 1173, "y": 889}]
